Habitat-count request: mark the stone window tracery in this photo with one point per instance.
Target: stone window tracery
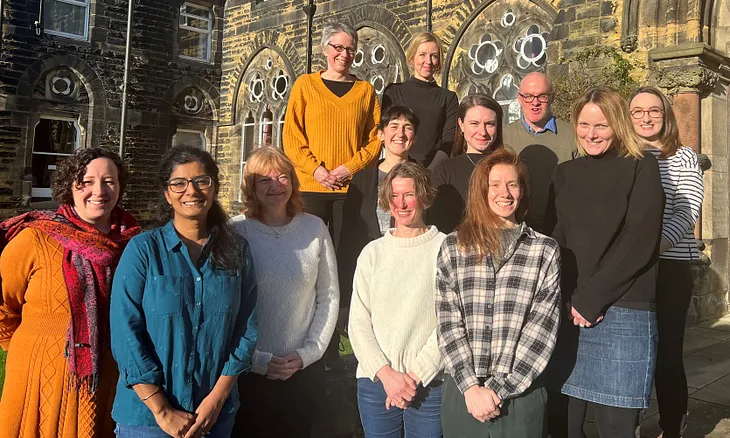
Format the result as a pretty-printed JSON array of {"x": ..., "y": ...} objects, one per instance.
[
  {"x": 379, "y": 59},
  {"x": 503, "y": 44}
]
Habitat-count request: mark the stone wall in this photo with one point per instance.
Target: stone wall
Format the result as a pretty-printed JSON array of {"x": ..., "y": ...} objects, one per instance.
[{"x": 159, "y": 82}]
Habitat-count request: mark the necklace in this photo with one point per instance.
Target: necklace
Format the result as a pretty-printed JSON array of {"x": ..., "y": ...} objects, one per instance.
[{"x": 472, "y": 161}]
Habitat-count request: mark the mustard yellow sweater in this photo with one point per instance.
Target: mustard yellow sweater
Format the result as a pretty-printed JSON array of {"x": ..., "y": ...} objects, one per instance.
[{"x": 321, "y": 128}]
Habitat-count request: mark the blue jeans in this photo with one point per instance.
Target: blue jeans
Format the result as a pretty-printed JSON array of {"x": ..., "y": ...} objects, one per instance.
[
  {"x": 222, "y": 429},
  {"x": 422, "y": 419}
]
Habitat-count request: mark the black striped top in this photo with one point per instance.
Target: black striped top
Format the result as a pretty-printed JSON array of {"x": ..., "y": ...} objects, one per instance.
[{"x": 684, "y": 190}]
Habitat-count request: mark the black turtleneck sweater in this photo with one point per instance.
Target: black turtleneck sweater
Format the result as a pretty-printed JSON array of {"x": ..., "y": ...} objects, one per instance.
[
  {"x": 436, "y": 109},
  {"x": 606, "y": 214},
  {"x": 451, "y": 179}
]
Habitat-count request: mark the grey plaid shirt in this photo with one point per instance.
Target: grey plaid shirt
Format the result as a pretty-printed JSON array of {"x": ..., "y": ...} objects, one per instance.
[{"x": 499, "y": 325}]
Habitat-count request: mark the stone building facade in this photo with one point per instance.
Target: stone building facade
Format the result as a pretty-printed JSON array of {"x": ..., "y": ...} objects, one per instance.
[
  {"x": 217, "y": 74},
  {"x": 680, "y": 45},
  {"x": 61, "y": 77}
]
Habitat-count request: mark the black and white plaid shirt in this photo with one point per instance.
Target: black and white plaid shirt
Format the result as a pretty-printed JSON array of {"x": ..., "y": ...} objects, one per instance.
[{"x": 499, "y": 325}]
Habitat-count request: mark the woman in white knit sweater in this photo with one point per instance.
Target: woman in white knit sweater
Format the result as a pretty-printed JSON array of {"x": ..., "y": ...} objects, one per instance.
[
  {"x": 392, "y": 315},
  {"x": 298, "y": 300}
]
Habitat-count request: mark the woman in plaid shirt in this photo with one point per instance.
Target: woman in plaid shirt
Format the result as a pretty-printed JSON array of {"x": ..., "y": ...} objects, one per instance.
[{"x": 498, "y": 309}]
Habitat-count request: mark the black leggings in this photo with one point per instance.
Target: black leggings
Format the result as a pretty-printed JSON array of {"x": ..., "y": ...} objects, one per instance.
[
  {"x": 612, "y": 422},
  {"x": 674, "y": 292}
]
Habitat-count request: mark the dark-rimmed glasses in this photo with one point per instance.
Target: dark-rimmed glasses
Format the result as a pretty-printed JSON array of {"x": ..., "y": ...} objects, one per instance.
[
  {"x": 180, "y": 185},
  {"x": 339, "y": 48},
  {"x": 542, "y": 98},
  {"x": 654, "y": 113}
]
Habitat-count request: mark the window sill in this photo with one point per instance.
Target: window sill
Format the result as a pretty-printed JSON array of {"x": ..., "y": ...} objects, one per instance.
[
  {"x": 67, "y": 36},
  {"x": 195, "y": 60}
]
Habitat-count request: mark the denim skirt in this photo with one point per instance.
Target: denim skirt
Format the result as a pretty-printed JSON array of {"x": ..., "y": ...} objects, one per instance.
[{"x": 611, "y": 363}]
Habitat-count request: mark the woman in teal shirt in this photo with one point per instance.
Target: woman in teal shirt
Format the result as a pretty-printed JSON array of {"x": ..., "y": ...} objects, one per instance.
[{"x": 182, "y": 311}]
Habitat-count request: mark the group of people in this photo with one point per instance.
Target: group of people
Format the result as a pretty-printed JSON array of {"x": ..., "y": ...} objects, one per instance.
[{"x": 493, "y": 280}]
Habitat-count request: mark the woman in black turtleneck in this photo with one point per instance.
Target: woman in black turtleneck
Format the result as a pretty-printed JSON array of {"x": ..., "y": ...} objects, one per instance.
[
  {"x": 480, "y": 132},
  {"x": 434, "y": 106},
  {"x": 606, "y": 215}
]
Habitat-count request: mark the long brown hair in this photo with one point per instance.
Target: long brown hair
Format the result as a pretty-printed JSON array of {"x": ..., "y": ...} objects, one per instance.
[
  {"x": 469, "y": 102},
  {"x": 480, "y": 230},
  {"x": 616, "y": 111},
  {"x": 669, "y": 135}
]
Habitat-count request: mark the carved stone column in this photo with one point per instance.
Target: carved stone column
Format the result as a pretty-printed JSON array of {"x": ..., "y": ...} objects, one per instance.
[{"x": 694, "y": 74}]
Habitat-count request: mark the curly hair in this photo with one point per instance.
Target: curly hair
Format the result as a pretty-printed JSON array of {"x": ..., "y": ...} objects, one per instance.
[
  {"x": 425, "y": 192},
  {"x": 71, "y": 171}
]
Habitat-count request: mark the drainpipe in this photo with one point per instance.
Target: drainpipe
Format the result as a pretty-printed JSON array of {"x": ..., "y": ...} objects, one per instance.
[
  {"x": 2, "y": 13},
  {"x": 309, "y": 10},
  {"x": 429, "y": 8},
  {"x": 127, "y": 54}
]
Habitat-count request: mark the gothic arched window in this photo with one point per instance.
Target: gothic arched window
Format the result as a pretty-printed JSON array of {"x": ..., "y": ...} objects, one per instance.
[
  {"x": 503, "y": 44},
  {"x": 379, "y": 59}
]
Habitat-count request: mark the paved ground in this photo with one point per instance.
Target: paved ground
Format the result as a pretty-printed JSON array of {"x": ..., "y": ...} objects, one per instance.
[{"x": 707, "y": 362}]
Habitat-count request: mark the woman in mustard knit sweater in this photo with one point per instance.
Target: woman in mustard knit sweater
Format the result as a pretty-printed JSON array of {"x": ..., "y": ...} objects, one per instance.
[
  {"x": 56, "y": 272},
  {"x": 330, "y": 131}
]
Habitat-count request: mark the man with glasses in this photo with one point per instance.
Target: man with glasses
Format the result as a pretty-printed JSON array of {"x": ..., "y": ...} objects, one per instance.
[{"x": 542, "y": 140}]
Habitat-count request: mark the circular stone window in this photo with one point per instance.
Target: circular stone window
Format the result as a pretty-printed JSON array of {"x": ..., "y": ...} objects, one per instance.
[
  {"x": 378, "y": 54},
  {"x": 359, "y": 57},
  {"x": 508, "y": 19},
  {"x": 62, "y": 86}
]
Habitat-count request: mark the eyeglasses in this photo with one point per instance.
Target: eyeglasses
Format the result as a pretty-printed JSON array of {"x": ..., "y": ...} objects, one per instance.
[
  {"x": 542, "y": 98},
  {"x": 180, "y": 185},
  {"x": 339, "y": 48},
  {"x": 654, "y": 113}
]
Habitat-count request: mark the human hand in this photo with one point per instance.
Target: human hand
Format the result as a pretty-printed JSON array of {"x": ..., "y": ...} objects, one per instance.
[
  {"x": 399, "y": 387},
  {"x": 174, "y": 422},
  {"x": 579, "y": 320},
  {"x": 414, "y": 377},
  {"x": 342, "y": 173},
  {"x": 482, "y": 403},
  {"x": 282, "y": 368},
  {"x": 392, "y": 403},
  {"x": 206, "y": 415},
  {"x": 324, "y": 177}
]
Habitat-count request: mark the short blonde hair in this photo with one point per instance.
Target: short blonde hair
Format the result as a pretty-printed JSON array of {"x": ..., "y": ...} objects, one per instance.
[
  {"x": 616, "y": 111},
  {"x": 425, "y": 192},
  {"x": 262, "y": 162},
  {"x": 417, "y": 40}
]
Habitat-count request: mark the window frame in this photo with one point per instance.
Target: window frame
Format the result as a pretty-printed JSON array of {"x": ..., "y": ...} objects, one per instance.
[
  {"x": 47, "y": 192},
  {"x": 86, "y": 4},
  {"x": 242, "y": 162},
  {"x": 199, "y": 132},
  {"x": 209, "y": 32}
]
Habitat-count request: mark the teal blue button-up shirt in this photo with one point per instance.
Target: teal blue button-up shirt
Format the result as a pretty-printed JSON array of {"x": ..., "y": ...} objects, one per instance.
[{"x": 178, "y": 325}]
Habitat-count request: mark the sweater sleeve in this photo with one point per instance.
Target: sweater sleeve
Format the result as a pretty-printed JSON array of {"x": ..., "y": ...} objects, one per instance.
[
  {"x": 362, "y": 335},
  {"x": 449, "y": 132},
  {"x": 635, "y": 248},
  {"x": 18, "y": 263},
  {"x": 132, "y": 347},
  {"x": 327, "y": 302},
  {"x": 429, "y": 361},
  {"x": 370, "y": 150},
  {"x": 687, "y": 198},
  {"x": 296, "y": 142},
  {"x": 452, "y": 335}
]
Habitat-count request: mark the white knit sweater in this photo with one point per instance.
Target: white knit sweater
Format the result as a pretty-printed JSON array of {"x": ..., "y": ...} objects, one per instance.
[
  {"x": 393, "y": 310},
  {"x": 298, "y": 293}
]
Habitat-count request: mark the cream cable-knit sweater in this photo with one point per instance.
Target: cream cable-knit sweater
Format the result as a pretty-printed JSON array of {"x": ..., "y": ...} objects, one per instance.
[
  {"x": 393, "y": 310},
  {"x": 298, "y": 293}
]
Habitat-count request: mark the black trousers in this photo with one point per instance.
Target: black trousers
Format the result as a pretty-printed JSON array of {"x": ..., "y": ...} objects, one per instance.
[
  {"x": 329, "y": 208},
  {"x": 674, "y": 292},
  {"x": 566, "y": 416},
  {"x": 276, "y": 408}
]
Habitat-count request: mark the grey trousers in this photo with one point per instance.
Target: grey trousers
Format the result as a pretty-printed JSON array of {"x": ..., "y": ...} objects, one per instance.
[{"x": 521, "y": 417}]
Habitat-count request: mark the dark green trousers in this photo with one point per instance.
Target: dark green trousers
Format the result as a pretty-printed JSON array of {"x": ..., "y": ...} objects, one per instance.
[{"x": 521, "y": 417}]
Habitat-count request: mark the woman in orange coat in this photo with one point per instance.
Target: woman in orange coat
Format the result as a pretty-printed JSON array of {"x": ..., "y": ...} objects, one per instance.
[{"x": 56, "y": 270}]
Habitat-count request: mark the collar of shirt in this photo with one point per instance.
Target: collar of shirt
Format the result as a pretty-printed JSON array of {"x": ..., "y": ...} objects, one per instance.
[
  {"x": 169, "y": 235},
  {"x": 549, "y": 126}
]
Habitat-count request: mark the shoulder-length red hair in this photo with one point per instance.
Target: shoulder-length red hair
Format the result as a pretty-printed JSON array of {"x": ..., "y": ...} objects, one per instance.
[{"x": 480, "y": 229}]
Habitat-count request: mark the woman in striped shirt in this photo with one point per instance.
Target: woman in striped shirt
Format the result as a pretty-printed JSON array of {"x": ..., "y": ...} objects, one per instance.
[{"x": 681, "y": 176}]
